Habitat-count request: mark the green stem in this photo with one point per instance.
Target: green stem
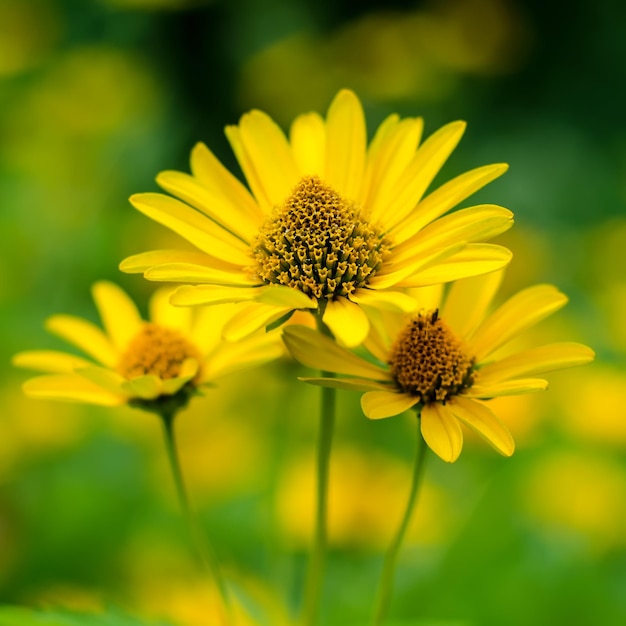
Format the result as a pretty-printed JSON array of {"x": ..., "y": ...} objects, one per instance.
[
  {"x": 385, "y": 586},
  {"x": 203, "y": 550}
]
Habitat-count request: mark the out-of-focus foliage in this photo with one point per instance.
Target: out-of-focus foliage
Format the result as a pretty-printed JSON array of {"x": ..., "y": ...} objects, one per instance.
[{"x": 97, "y": 97}]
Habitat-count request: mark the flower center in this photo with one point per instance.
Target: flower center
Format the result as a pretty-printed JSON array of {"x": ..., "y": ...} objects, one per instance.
[
  {"x": 429, "y": 361},
  {"x": 317, "y": 242},
  {"x": 158, "y": 351}
]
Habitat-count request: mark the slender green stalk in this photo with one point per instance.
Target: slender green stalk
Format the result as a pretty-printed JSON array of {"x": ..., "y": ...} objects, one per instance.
[
  {"x": 203, "y": 549},
  {"x": 385, "y": 587}
]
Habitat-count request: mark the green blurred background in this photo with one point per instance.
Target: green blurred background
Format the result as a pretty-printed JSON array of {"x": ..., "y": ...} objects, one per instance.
[{"x": 96, "y": 97}]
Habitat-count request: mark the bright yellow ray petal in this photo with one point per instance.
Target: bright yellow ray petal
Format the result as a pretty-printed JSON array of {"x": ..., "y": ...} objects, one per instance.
[
  {"x": 380, "y": 404},
  {"x": 348, "y": 384},
  {"x": 347, "y": 322},
  {"x": 139, "y": 263},
  {"x": 49, "y": 361},
  {"x": 190, "y": 224},
  {"x": 188, "y": 295},
  {"x": 477, "y": 223},
  {"x": 146, "y": 387},
  {"x": 523, "y": 310},
  {"x": 84, "y": 335},
  {"x": 280, "y": 295},
  {"x": 448, "y": 196},
  {"x": 472, "y": 260},
  {"x": 207, "y": 325},
  {"x": 188, "y": 370},
  {"x": 482, "y": 420},
  {"x": 417, "y": 177},
  {"x": 308, "y": 143},
  {"x": 118, "y": 313},
  {"x": 163, "y": 313},
  {"x": 386, "y": 300},
  {"x": 320, "y": 352},
  {"x": 219, "y": 209},
  {"x": 515, "y": 387},
  {"x": 270, "y": 155},
  {"x": 539, "y": 360},
  {"x": 215, "y": 177},
  {"x": 190, "y": 273},
  {"x": 469, "y": 300},
  {"x": 388, "y": 162},
  {"x": 345, "y": 144},
  {"x": 70, "y": 388},
  {"x": 441, "y": 431},
  {"x": 429, "y": 297},
  {"x": 104, "y": 378},
  {"x": 252, "y": 317}
]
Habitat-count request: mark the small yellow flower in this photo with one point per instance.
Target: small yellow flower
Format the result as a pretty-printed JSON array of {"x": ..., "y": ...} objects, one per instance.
[
  {"x": 328, "y": 224},
  {"x": 444, "y": 360},
  {"x": 155, "y": 365}
]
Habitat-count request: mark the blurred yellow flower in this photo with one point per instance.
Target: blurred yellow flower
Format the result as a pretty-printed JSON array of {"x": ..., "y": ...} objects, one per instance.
[
  {"x": 329, "y": 225},
  {"x": 444, "y": 361},
  {"x": 147, "y": 364}
]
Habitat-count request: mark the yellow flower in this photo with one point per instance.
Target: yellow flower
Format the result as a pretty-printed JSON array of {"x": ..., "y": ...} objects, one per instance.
[
  {"x": 445, "y": 360},
  {"x": 329, "y": 224},
  {"x": 156, "y": 365}
]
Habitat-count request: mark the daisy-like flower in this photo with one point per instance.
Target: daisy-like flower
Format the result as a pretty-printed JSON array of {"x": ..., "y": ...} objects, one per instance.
[
  {"x": 329, "y": 224},
  {"x": 156, "y": 365},
  {"x": 447, "y": 360}
]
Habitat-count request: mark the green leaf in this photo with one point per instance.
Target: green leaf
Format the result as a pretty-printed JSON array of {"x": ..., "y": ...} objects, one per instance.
[{"x": 14, "y": 616}]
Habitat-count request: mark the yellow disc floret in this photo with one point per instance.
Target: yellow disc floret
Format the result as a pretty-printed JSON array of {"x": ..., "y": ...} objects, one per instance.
[
  {"x": 319, "y": 243},
  {"x": 429, "y": 361},
  {"x": 158, "y": 351}
]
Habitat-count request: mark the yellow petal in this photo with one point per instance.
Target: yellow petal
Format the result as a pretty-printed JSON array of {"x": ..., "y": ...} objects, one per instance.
[
  {"x": 163, "y": 313},
  {"x": 469, "y": 300},
  {"x": 448, "y": 196},
  {"x": 118, "y": 313},
  {"x": 315, "y": 350},
  {"x": 84, "y": 335},
  {"x": 193, "y": 226},
  {"x": 70, "y": 388},
  {"x": 308, "y": 143},
  {"x": 345, "y": 144},
  {"x": 188, "y": 295},
  {"x": 417, "y": 177},
  {"x": 539, "y": 360},
  {"x": 280, "y": 295},
  {"x": 146, "y": 387},
  {"x": 347, "y": 322},
  {"x": 104, "y": 378},
  {"x": 188, "y": 370},
  {"x": 380, "y": 404},
  {"x": 441, "y": 431},
  {"x": 139, "y": 263},
  {"x": 472, "y": 260},
  {"x": 252, "y": 317},
  {"x": 218, "y": 208},
  {"x": 386, "y": 300},
  {"x": 218, "y": 179},
  {"x": 208, "y": 324},
  {"x": 348, "y": 384},
  {"x": 189, "y": 273},
  {"x": 523, "y": 310},
  {"x": 49, "y": 361},
  {"x": 482, "y": 420},
  {"x": 515, "y": 387}
]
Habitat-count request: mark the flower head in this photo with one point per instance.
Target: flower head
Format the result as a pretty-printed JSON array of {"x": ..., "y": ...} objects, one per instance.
[
  {"x": 328, "y": 224},
  {"x": 156, "y": 365},
  {"x": 446, "y": 360}
]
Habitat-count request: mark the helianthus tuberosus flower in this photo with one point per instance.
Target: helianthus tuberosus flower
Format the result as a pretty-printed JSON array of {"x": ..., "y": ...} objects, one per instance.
[
  {"x": 153, "y": 364},
  {"x": 327, "y": 224},
  {"x": 444, "y": 360}
]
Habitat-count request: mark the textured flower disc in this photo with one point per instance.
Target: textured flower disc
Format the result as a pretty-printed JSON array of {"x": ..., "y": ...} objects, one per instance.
[
  {"x": 428, "y": 361},
  {"x": 157, "y": 351},
  {"x": 317, "y": 242}
]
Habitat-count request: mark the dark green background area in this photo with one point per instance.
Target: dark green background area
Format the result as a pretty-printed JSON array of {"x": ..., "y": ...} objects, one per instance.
[{"x": 97, "y": 97}]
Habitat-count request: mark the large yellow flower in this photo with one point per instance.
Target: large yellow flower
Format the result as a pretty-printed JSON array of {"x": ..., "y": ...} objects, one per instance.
[
  {"x": 155, "y": 365},
  {"x": 328, "y": 224},
  {"x": 447, "y": 360}
]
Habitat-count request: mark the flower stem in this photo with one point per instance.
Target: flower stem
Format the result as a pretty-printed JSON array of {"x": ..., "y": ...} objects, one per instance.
[
  {"x": 385, "y": 587},
  {"x": 203, "y": 549},
  {"x": 315, "y": 572}
]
